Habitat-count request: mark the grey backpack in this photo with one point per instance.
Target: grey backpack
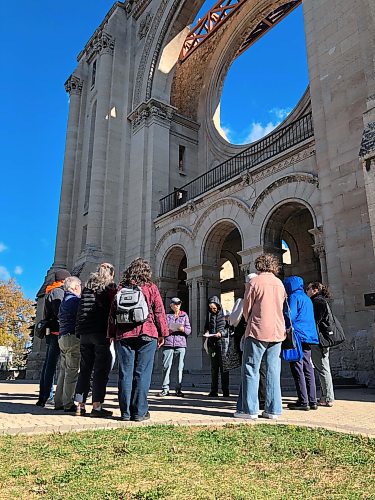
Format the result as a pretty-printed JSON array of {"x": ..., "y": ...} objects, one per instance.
[{"x": 131, "y": 305}]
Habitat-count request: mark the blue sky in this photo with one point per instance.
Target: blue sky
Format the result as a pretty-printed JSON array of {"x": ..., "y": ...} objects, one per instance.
[{"x": 38, "y": 52}]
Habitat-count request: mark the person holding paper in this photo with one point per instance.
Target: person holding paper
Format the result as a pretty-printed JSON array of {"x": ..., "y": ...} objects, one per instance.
[
  {"x": 175, "y": 346},
  {"x": 217, "y": 334}
]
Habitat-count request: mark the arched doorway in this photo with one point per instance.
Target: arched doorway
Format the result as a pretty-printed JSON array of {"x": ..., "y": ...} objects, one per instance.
[
  {"x": 220, "y": 255},
  {"x": 173, "y": 277},
  {"x": 287, "y": 234}
]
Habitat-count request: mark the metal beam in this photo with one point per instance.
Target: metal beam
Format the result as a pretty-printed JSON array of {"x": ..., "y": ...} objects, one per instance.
[
  {"x": 220, "y": 13},
  {"x": 209, "y": 23}
]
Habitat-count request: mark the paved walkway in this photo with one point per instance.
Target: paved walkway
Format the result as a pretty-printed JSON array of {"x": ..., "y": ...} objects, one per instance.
[{"x": 354, "y": 412}]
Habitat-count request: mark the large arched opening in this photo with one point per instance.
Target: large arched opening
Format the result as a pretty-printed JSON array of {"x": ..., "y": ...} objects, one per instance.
[
  {"x": 287, "y": 234},
  {"x": 172, "y": 279},
  {"x": 220, "y": 255}
]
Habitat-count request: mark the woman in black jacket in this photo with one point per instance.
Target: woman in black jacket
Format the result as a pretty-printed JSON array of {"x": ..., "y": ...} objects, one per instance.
[
  {"x": 319, "y": 295},
  {"x": 217, "y": 334},
  {"x": 91, "y": 328}
]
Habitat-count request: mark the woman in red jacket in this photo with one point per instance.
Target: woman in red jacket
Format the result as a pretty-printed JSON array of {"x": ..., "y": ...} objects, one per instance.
[{"x": 136, "y": 341}]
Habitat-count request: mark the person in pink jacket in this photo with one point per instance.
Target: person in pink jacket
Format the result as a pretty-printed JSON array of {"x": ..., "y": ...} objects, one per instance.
[{"x": 263, "y": 310}]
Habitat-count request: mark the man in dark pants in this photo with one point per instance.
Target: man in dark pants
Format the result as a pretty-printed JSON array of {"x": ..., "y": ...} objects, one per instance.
[{"x": 54, "y": 296}]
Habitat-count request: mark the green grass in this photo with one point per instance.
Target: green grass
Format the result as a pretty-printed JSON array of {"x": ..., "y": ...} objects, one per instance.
[{"x": 156, "y": 462}]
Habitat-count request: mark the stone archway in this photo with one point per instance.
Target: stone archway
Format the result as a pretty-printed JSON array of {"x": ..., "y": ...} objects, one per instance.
[
  {"x": 220, "y": 254},
  {"x": 288, "y": 231},
  {"x": 172, "y": 280}
]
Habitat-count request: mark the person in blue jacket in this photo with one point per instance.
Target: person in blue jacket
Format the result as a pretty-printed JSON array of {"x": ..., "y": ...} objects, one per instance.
[{"x": 303, "y": 321}]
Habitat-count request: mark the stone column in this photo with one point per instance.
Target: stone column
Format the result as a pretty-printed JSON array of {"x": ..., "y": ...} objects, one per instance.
[
  {"x": 320, "y": 252},
  {"x": 203, "y": 298},
  {"x": 74, "y": 88},
  {"x": 104, "y": 46},
  {"x": 248, "y": 256}
]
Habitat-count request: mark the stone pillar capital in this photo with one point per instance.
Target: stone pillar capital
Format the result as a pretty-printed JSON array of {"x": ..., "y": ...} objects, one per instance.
[
  {"x": 149, "y": 112},
  {"x": 101, "y": 43},
  {"x": 74, "y": 85}
]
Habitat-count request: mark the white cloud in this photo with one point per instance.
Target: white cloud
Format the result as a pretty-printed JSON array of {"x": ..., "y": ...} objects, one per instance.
[
  {"x": 4, "y": 273},
  {"x": 18, "y": 270},
  {"x": 280, "y": 113},
  {"x": 3, "y": 247},
  {"x": 257, "y": 131}
]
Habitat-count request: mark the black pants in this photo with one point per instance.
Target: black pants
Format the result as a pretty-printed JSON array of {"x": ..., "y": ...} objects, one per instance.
[
  {"x": 95, "y": 354},
  {"x": 216, "y": 366},
  {"x": 304, "y": 377},
  {"x": 262, "y": 381}
]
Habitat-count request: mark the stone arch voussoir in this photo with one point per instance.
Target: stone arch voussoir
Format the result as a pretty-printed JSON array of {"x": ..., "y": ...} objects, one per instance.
[
  {"x": 176, "y": 237},
  {"x": 299, "y": 187}
]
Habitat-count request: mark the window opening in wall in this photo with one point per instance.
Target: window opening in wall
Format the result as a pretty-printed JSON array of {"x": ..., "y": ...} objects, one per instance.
[
  {"x": 287, "y": 257},
  {"x": 277, "y": 88},
  {"x": 227, "y": 297},
  {"x": 181, "y": 159},
  {"x": 93, "y": 74}
]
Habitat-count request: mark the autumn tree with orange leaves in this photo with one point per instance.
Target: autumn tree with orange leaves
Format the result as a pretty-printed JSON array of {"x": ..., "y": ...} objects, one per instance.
[{"x": 16, "y": 316}]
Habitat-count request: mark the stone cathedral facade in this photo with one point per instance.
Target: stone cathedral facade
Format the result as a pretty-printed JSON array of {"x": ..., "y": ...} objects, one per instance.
[{"x": 148, "y": 173}]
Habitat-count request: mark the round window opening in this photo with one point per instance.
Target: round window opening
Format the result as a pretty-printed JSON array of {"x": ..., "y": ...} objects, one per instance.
[{"x": 265, "y": 83}]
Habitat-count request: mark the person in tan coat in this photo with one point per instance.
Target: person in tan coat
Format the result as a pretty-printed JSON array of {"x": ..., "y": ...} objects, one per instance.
[{"x": 263, "y": 310}]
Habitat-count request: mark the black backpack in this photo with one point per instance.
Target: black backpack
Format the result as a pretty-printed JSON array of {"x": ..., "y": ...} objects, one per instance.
[{"x": 331, "y": 333}]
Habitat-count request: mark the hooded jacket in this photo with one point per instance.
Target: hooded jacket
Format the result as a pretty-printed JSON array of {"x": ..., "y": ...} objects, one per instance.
[
  {"x": 93, "y": 311},
  {"x": 54, "y": 296},
  {"x": 215, "y": 322},
  {"x": 301, "y": 311}
]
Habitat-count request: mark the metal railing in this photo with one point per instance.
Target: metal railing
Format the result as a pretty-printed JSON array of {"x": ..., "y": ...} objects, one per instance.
[{"x": 275, "y": 143}]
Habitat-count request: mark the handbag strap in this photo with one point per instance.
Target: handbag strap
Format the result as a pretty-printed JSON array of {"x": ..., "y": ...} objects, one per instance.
[{"x": 289, "y": 314}]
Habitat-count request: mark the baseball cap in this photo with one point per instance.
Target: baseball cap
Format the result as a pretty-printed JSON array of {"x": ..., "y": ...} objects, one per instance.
[{"x": 175, "y": 300}]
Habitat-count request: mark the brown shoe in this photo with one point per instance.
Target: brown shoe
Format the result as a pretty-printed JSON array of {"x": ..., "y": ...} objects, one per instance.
[{"x": 323, "y": 402}]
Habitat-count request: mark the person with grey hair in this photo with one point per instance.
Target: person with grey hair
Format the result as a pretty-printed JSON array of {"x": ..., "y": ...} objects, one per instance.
[
  {"x": 91, "y": 329},
  {"x": 69, "y": 346}
]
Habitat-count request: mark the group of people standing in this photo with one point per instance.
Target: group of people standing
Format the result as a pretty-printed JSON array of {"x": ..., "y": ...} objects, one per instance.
[
  {"x": 88, "y": 326},
  {"x": 260, "y": 321}
]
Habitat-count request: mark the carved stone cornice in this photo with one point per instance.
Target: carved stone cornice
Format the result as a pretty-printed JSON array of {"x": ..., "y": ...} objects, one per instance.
[
  {"x": 288, "y": 179},
  {"x": 136, "y": 7},
  {"x": 154, "y": 28},
  {"x": 144, "y": 25},
  {"x": 101, "y": 43},
  {"x": 74, "y": 85},
  {"x": 149, "y": 111}
]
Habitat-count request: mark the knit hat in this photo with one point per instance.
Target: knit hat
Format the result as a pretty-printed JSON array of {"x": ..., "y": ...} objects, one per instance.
[{"x": 61, "y": 274}]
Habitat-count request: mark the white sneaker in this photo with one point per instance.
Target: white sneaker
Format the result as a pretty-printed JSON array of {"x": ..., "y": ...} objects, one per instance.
[
  {"x": 271, "y": 416},
  {"x": 247, "y": 416}
]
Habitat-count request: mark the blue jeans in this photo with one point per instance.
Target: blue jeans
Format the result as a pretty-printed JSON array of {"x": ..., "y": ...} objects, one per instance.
[
  {"x": 168, "y": 354},
  {"x": 135, "y": 361},
  {"x": 49, "y": 368},
  {"x": 254, "y": 350}
]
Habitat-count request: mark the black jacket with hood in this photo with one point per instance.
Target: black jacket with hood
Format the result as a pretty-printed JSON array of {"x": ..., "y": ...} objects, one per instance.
[
  {"x": 93, "y": 311},
  {"x": 321, "y": 313},
  {"x": 215, "y": 322}
]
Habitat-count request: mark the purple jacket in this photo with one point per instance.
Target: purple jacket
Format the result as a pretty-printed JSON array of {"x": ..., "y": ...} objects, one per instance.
[{"x": 177, "y": 339}]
